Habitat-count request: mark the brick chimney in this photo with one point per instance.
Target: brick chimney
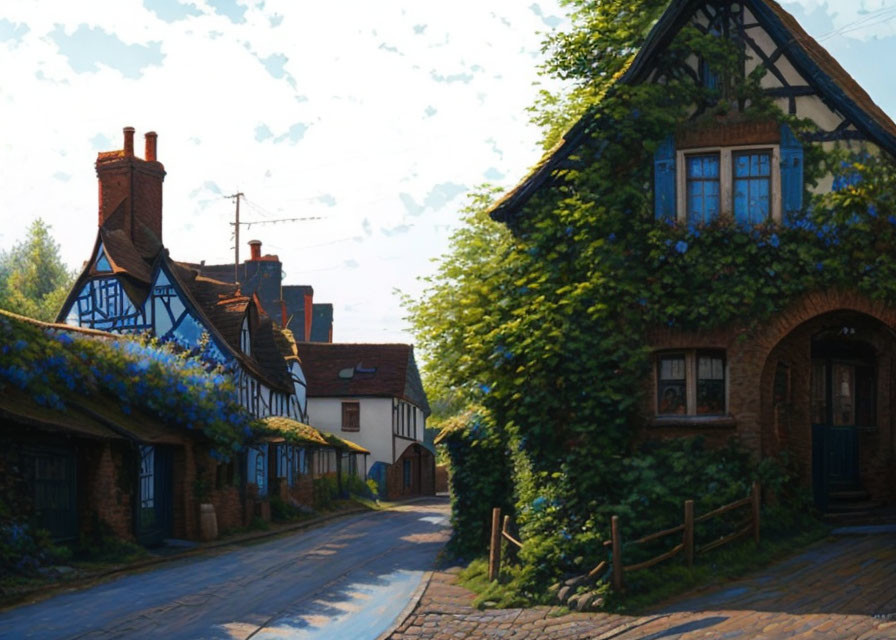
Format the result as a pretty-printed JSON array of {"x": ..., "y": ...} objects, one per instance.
[
  {"x": 130, "y": 193},
  {"x": 255, "y": 249}
]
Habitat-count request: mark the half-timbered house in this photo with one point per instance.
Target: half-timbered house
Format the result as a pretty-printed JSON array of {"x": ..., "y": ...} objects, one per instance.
[
  {"x": 816, "y": 379},
  {"x": 130, "y": 284}
]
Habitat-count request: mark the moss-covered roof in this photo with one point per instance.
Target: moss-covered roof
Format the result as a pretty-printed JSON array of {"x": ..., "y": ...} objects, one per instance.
[
  {"x": 292, "y": 431},
  {"x": 342, "y": 443}
]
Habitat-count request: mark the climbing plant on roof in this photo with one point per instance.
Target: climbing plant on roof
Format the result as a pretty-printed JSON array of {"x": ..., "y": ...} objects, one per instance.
[{"x": 55, "y": 367}]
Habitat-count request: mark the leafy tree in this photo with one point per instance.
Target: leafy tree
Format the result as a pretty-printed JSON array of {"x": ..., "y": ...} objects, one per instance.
[{"x": 33, "y": 279}]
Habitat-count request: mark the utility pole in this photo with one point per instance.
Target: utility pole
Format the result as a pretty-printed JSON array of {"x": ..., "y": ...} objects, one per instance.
[{"x": 236, "y": 236}]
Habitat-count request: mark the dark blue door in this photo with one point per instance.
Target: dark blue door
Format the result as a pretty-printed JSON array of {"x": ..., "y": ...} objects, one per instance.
[
  {"x": 153, "y": 505},
  {"x": 842, "y": 399}
]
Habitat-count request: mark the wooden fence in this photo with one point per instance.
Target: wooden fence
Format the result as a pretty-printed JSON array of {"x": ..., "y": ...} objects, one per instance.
[{"x": 748, "y": 525}]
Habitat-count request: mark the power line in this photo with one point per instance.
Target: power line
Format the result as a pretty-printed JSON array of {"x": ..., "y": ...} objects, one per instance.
[
  {"x": 248, "y": 224},
  {"x": 884, "y": 14}
]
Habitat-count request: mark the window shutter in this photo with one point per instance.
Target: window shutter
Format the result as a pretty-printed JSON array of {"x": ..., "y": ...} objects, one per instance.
[
  {"x": 664, "y": 180},
  {"x": 791, "y": 172}
]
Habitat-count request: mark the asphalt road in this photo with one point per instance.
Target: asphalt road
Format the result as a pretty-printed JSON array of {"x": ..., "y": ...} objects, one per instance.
[{"x": 346, "y": 580}]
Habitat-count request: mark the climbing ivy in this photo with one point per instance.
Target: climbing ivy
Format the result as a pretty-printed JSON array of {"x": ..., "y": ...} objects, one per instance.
[{"x": 545, "y": 328}]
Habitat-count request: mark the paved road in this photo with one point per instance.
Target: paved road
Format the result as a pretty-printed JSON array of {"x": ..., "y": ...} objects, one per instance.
[
  {"x": 840, "y": 589},
  {"x": 348, "y": 579}
]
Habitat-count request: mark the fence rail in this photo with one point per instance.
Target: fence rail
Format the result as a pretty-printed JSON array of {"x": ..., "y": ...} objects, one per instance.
[{"x": 501, "y": 531}]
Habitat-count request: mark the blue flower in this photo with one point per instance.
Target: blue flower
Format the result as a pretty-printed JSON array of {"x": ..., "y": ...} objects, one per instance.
[
  {"x": 872, "y": 211},
  {"x": 819, "y": 266},
  {"x": 774, "y": 241},
  {"x": 64, "y": 338},
  {"x": 485, "y": 388},
  {"x": 681, "y": 246}
]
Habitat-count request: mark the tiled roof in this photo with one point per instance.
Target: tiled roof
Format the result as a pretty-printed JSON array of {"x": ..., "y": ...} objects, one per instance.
[
  {"x": 225, "y": 307},
  {"x": 377, "y": 370}
]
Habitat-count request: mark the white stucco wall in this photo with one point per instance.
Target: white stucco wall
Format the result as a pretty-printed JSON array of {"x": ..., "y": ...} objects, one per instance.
[{"x": 375, "y": 433}]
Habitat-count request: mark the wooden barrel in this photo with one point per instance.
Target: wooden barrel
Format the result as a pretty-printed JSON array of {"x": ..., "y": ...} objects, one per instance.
[{"x": 208, "y": 522}]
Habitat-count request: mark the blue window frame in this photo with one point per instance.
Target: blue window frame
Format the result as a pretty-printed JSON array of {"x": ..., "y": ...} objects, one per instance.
[
  {"x": 702, "y": 187},
  {"x": 752, "y": 186}
]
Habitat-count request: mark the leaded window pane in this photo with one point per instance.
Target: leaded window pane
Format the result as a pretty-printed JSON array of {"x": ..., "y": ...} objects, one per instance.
[
  {"x": 703, "y": 187},
  {"x": 672, "y": 385},
  {"x": 710, "y": 385},
  {"x": 752, "y": 187}
]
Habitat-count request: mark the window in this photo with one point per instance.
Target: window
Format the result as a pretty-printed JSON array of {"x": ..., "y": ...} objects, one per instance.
[
  {"x": 351, "y": 416},
  {"x": 737, "y": 182},
  {"x": 756, "y": 178},
  {"x": 245, "y": 338},
  {"x": 752, "y": 186},
  {"x": 691, "y": 383},
  {"x": 703, "y": 187}
]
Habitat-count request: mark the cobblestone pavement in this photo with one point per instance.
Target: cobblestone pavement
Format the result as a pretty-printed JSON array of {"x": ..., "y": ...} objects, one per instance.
[{"x": 840, "y": 589}]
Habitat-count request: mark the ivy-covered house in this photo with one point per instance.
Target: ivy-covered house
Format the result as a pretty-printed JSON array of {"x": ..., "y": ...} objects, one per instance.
[
  {"x": 762, "y": 283},
  {"x": 130, "y": 285}
]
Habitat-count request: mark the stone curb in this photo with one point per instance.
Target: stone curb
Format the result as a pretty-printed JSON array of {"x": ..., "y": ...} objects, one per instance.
[{"x": 410, "y": 608}]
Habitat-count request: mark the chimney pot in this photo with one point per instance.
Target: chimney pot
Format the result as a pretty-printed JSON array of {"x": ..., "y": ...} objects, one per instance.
[
  {"x": 151, "y": 139},
  {"x": 255, "y": 248},
  {"x": 129, "y": 141}
]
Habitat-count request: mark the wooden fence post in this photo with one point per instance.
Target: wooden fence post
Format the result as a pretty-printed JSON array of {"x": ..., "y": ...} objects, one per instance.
[
  {"x": 754, "y": 498},
  {"x": 689, "y": 532},
  {"x": 494, "y": 555},
  {"x": 617, "y": 553}
]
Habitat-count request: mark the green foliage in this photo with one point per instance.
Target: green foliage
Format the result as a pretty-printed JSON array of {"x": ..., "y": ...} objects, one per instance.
[
  {"x": 33, "y": 280},
  {"x": 101, "y": 544},
  {"x": 325, "y": 491},
  {"x": 480, "y": 480},
  {"x": 544, "y": 330},
  {"x": 283, "y": 511},
  {"x": 599, "y": 47}
]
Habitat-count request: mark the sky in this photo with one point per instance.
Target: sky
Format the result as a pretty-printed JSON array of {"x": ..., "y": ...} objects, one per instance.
[{"x": 372, "y": 119}]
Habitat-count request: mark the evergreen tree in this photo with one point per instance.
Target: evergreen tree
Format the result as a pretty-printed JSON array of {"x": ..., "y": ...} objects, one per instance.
[{"x": 33, "y": 279}]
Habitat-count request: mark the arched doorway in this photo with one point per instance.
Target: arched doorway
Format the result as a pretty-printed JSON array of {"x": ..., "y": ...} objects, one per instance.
[
  {"x": 412, "y": 474},
  {"x": 827, "y": 401}
]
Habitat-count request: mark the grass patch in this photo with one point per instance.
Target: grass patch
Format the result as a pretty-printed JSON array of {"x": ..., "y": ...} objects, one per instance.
[
  {"x": 649, "y": 587},
  {"x": 506, "y": 592}
]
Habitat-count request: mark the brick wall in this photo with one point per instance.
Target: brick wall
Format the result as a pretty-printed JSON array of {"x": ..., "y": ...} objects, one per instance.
[
  {"x": 765, "y": 424},
  {"x": 422, "y": 476},
  {"x": 106, "y": 487}
]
